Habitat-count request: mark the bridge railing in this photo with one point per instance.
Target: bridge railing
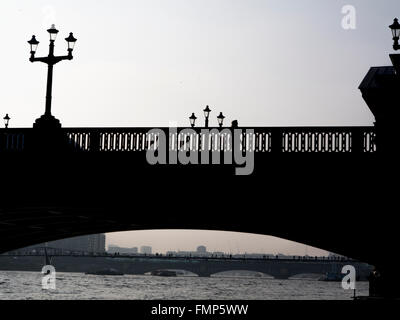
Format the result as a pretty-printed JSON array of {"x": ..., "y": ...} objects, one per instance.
[
  {"x": 59, "y": 252},
  {"x": 13, "y": 139},
  {"x": 256, "y": 139}
]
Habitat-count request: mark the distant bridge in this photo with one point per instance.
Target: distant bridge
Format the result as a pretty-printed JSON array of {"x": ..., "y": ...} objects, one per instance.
[{"x": 202, "y": 266}]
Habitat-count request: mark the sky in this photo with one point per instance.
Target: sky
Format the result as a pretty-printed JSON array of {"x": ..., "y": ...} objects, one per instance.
[
  {"x": 162, "y": 241},
  {"x": 154, "y": 62}
]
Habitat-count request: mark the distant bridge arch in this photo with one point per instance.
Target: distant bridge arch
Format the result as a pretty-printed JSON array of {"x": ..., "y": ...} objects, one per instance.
[
  {"x": 307, "y": 275},
  {"x": 179, "y": 272},
  {"x": 244, "y": 271}
]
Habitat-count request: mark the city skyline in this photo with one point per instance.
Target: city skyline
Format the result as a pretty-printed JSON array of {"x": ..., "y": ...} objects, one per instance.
[{"x": 162, "y": 241}]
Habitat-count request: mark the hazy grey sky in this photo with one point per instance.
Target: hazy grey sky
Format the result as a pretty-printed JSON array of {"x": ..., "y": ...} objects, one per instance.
[
  {"x": 229, "y": 242},
  {"x": 149, "y": 62}
]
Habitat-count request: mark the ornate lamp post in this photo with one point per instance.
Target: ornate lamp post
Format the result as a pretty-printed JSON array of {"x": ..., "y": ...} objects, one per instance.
[
  {"x": 395, "y": 27},
  {"x": 207, "y": 111},
  {"x": 47, "y": 120},
  {"x": 381, "y": 97},
  {"x": 193, "y": 120},
  {"x": 221, "y": 118},
  {"x": 6, "y": 120}
]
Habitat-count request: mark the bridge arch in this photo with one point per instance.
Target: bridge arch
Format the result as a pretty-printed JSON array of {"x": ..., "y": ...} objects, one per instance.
[{"x": 78, "y": 193}]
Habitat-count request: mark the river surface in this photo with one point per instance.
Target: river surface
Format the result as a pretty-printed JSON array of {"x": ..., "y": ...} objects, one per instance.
[{"x": 16, "y": 285}]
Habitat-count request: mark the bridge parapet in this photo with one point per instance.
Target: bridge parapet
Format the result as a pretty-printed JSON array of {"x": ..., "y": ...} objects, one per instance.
[{"x": 253, "y": 139}]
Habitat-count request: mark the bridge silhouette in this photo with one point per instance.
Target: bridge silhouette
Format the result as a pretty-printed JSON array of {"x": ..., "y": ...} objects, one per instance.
[
  {"x": 54, "y": 193},
  {"x": 325, "y": 187},
  {"x": 279, "y": 268}
]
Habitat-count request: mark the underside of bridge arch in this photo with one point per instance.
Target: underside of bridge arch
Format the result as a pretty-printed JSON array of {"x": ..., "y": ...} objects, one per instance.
[{"x": 38, "y": 225}]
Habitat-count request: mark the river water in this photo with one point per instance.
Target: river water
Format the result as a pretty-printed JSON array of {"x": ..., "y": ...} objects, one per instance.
[{"x": 16, "y": 285}]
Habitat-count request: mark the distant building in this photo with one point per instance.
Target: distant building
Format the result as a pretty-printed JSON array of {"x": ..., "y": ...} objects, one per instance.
[
  {"x": 201, "y": 249},
  {"x": 97, "y": 243},
  {"x": 219, "y": 253},
  {"x": 116, "y": 249},
  {"x": 336, "y": 256},
  {"x": 145, "y": 249},
  {"x": 90, "y": 243},
  {"x": 184, "y": 253}
]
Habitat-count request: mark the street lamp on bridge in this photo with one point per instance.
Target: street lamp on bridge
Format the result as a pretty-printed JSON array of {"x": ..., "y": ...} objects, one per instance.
[
  {"x": 221, "y": 118},
  {"x": 207, "y": 111},
  {"x": 193, "y": 120},
  {"x": 6, "y": 120},
  {"x": 47, "y": 120},
  {"x": 395, "y": 27}
]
